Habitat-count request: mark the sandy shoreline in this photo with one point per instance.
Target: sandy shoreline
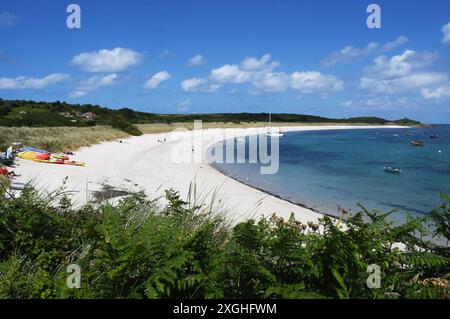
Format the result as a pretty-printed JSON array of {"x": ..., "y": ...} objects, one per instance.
[{"x": 143, "y": 163}]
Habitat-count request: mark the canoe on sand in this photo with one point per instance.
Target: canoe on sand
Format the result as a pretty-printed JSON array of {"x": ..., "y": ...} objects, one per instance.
[
  {"x": 61, "y": 162},
  {"x": 31, "y": 149},
  {"x": 33, "y": 156},
  {"x": 36, "y": 150}
]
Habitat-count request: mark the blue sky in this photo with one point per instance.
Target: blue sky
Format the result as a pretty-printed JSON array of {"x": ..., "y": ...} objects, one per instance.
[{"x": 311, "y": 57}]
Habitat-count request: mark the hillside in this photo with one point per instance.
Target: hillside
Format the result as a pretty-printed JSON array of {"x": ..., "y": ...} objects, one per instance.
[{"x": 54, "y": 114}]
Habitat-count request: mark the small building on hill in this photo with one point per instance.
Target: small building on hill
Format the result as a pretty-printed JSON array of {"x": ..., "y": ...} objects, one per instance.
[
  {"x": 89, "y": 116},
  {"x": 66, "y": 114}
]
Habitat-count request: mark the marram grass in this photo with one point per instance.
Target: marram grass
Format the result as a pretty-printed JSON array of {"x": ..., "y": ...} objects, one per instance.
[{"x": 58, "y": 138}]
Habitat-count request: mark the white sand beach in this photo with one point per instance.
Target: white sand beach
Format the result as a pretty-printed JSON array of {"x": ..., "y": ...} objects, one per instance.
[{"x": 144, "y": 163}]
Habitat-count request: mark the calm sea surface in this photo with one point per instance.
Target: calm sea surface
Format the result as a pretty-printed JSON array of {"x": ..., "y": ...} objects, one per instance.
[{"x": 327, "y": 169}]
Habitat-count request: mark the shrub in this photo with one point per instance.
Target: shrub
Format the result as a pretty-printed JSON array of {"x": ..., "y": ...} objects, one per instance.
[
  {"x": 4, "y": 110},
  {"x": 137, "y": 250},
  {"x": 120, "y": 122},
  {"x": 128, "y": 113},
  {"x": 4, "y": 185}
]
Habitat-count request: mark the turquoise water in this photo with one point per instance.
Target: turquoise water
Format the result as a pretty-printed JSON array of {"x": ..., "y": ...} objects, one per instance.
[{"x": 326, "y": 169}]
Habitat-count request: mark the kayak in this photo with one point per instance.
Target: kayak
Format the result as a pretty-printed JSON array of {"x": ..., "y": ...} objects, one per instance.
[
  {"x": 62, "y": 162},
  {"x": 60, "y": 157},
  {"x": 33, "y": 156},
  {"x": 393, "y": 170},
  {"x": 35, "y": 150}
]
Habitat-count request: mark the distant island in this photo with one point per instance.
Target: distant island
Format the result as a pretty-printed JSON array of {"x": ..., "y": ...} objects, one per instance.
[{"x": 16, "y": 113}]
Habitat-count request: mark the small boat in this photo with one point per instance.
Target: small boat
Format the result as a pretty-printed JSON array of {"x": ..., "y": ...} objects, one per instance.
[
  {"x": 33, "y": 156},
  {"x": 393, "y": 170},
  {"x": 275, "y": 134},
  {"x": 417, "y": 143},
  {"x": 61, "y": 162},
  {"x": 434, "y": 136},
  {"x": 60, "y": 157},
  {"x": 271, "y": 132},
  {"x": 31, "y": 149}
]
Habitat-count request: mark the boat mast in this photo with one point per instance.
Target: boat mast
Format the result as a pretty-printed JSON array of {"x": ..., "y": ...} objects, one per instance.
[{"x": 270, "y": 118}]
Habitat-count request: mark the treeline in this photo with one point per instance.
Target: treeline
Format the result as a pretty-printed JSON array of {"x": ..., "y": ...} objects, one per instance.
[
  {"x": 136, "y": 250},
  {"x": 38, "y": 114},
  {"x": 17, "y": 113}
]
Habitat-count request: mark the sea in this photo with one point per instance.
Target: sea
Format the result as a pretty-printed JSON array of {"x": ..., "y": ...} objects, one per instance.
[{"x": 325, "y": 170}]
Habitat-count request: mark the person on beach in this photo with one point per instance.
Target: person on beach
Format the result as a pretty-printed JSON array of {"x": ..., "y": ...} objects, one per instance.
[{"x": 4, "y": 171}]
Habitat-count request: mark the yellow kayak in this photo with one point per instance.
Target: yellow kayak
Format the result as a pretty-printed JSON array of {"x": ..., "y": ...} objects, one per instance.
[
  {"x": 61, "y": 162},
  {"x": 33, "y": 156}
]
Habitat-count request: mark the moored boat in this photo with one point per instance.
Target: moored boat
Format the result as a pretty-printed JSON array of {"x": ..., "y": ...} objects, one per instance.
[
  {"x": 271, "y": 132},
  {"x": 417, "y": 143},
  {"x": 393, "y": 170}
]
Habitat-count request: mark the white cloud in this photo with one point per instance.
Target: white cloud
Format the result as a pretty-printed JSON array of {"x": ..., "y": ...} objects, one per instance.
[
  {"x": 347, "y": 104},
  {"x": 78, "y": 93},
  {"x": 440, "y": 93},
  {"x": 404, "y": 83},
  {"x": 446, "y": 31},
  {"x": 94, "y": 83},
  {"x": 191, "y": 85},
  {"x": 350, "y": 53},
  {"x": 259, "y": 73},
  {"x": 184, "y": 105},
  {"x": 392, "y": 45},
  {"x": 272, "y": 82},
  {"x": 105, "y": 80},
  {"x": 196, "y": 60},
  {"x": 313, "y": 82},
  {"x": 8, "y": 19},
  {"x": 26, "y": 82},
  {"x": 114, "y": 60},
  {"x": 401, "y": 73},
  {"x": 230, "y": 73},
  {"x": 156, "y": 79},
  {"x": 163, "y": 55},
  {"x": 402, "y": 64},
  {"x": 386, "y": 102},
  {"x": 214, "y": 87},
  {"x": 252, "y": 63}
]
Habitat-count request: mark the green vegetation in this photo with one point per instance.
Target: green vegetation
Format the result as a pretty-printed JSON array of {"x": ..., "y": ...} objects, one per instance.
[
  {"x": 136, "y": 250},
  {"x": 51, "y": 114},
  {"x": 57, "y": 125},
  {"x": 4, "y": 182},
  {"x": 57, "y": 139},
  {"x": 120, "y": 122}
]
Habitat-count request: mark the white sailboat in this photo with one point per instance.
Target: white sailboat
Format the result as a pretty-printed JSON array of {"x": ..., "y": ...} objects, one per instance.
[{"x": 271, "y": 132}]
